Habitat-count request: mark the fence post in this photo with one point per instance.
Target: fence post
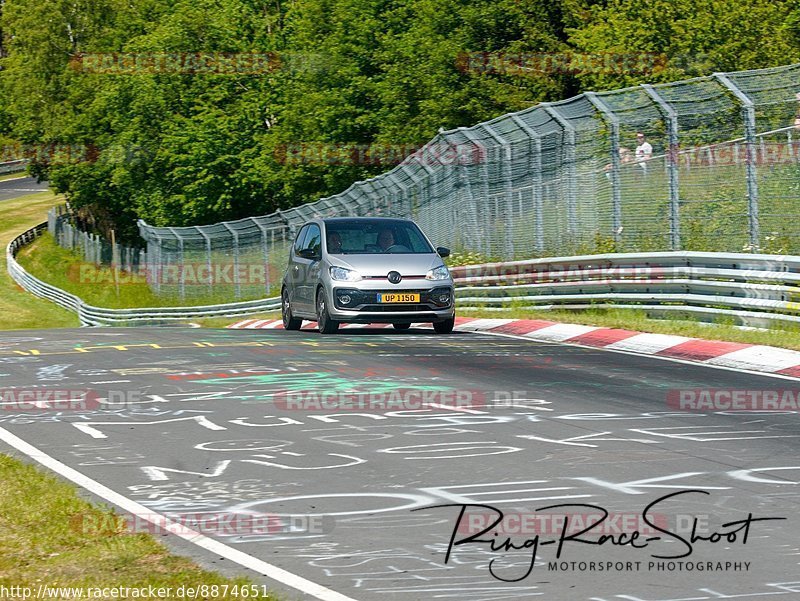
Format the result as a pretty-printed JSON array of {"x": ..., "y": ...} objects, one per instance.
[
  {"x": 508, "y": 212},
  {"x": 376, "y": 183},
  {"x": 157, "y": 261},
  {"x": 571, "y": 166},
  {"x": 182, "y": 282},
  {"x": 371, "y": 191},
  {"x": 395, "y": 189},
  {"x": 417, "y": 180},
  {"x": 749, "y": 117},
  {"x": 616, "y": 187},
  {"x": 487, "y": 247},
  {"x": 235, "y": 236},
  {"x": 671, "y": 118},
  {"x": 467, "y": 220},
  {"x": 538, "y": 196},
  {"x": 265, "y": 250},
  {"x": 207, "y": 238}
]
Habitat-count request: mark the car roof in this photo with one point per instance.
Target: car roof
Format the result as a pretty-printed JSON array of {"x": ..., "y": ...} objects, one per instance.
[{"x": 342, "y": 219}]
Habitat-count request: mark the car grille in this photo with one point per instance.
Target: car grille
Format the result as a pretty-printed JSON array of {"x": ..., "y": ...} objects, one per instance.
[
  {"x": 395, "y": 308},
  {"x": 364, "y": 301}
]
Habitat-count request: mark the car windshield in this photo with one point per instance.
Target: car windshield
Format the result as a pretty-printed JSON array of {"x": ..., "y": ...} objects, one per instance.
[{"x": 375, "y": 236}]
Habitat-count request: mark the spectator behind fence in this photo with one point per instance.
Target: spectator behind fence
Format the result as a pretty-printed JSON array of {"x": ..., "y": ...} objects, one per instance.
[
  {"x": 797, "y": 114},
  {"x": 625, "y": 157},
  {"x": 643, "y": 151}
]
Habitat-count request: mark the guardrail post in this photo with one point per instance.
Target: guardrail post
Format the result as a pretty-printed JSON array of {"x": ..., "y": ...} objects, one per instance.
[
  {"x": 749, "y": 117},
  {"x": 671, "y": 118},
  {"x": 616, "y": 186},
  {"x": 571, "y": 164}
]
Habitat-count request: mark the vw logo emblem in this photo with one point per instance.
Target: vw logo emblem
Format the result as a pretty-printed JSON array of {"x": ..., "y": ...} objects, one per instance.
[{"x": 394, "y": 277}]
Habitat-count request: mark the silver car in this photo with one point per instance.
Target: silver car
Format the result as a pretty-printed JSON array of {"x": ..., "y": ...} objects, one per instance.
[{"x": 366, "y": 270}]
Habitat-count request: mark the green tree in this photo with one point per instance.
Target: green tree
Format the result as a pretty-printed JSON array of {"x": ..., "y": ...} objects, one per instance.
[{"x": 685, "y": 38}]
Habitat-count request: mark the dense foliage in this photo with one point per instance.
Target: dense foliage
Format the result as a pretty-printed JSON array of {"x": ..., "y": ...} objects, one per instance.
[{"x": 194, "y": 147}]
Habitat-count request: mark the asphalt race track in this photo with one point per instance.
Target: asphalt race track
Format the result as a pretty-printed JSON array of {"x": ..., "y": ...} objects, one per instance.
[
  {"x": 22, "y": 186},
  {"x": 223, "y": 423}
]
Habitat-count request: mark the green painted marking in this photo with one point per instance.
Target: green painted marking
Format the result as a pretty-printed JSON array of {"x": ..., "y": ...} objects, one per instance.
[{"x": 321, "y": 381}]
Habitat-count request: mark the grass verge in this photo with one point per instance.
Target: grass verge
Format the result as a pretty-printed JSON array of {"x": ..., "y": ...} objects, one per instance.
[
  {"x": 96, "y": 285},
  {"x": 20, "y": 309},
  {"x": 15, "y": 175},
  {"x": 51, "y": 537}
]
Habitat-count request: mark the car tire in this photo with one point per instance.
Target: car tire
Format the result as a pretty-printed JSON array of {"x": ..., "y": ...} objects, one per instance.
[
  {"x": 289, "y": 321},
  {"x": 324, "y": 321},
  {"x": 444, "y": 327},
  {"x": 401, "y": 326}
]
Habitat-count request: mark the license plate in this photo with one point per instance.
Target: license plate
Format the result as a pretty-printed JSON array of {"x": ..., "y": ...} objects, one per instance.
[{"x": 397, "y": 297}]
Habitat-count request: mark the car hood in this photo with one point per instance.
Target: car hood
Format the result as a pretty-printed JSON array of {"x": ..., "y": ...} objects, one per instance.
[{"x": 381, "y": 264}]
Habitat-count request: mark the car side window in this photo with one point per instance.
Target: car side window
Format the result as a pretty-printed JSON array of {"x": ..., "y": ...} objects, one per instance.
[
  {"x": 298, "y": 243},
  {"x": 313, "y": 240}
]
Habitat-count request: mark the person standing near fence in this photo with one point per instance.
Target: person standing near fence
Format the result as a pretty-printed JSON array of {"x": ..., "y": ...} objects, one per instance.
[
  {"x": 797, "y": 114},
  {"x": 643, "y": 151}
]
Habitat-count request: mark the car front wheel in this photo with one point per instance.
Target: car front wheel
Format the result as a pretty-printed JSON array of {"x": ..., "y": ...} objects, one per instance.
[
  {"x": 444, "y": 327},
  {"x": 289, "y": 321},
  {"x": 324, "y": 321}
]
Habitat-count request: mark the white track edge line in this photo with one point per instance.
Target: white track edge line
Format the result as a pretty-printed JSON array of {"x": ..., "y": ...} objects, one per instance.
[{"x": 140, "y": 511}]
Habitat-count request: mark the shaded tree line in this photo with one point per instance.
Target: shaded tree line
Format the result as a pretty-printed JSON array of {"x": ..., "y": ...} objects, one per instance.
[{"x": 193, "y": 144}]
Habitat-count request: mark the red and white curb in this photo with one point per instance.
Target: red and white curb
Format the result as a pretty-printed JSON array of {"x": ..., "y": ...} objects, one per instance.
[{"x": 732, "y": 355}]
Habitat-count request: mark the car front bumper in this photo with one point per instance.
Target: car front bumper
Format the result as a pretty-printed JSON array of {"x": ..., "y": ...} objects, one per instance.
[{"x": 436, "y": 303}]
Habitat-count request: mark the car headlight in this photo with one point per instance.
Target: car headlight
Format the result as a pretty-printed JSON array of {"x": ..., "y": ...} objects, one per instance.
[
  {"x": 439, "y": 273},
  {"x": 344, "y": 275}
]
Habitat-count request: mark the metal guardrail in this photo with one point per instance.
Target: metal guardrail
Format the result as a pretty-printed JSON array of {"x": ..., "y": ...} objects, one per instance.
[
  {"x": 98, "y": 316},
  {"x": 756, "y": 290},
  {"x": 753, "y": 290},
  {"x": 13, "y": 166}
]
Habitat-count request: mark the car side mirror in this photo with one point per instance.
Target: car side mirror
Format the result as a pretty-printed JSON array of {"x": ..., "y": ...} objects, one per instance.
[
  {"x": 309, "y": 253},
  {"x": 442, "y": 251}
]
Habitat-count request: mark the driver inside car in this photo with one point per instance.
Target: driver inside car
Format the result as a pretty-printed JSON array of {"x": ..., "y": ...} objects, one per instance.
[
  {"x": 387, "y": 244},
  {"x": 334, "y": 242}
]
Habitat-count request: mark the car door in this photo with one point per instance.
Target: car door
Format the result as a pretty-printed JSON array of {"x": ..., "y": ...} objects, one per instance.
[
  {"x": 309, "y": 269},
  {"x": 294, "y": 274}
]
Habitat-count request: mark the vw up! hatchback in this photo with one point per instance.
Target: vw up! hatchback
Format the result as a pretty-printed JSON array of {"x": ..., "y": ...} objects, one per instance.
[{"x": 366, "y": 270}]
